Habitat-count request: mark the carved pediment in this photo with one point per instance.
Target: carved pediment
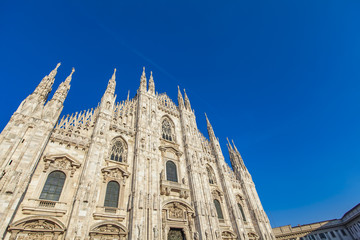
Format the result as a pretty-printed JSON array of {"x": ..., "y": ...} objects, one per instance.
[
  {"x": 61, "y": 161},
  {"x": 170, "y": 151},
  {"x": 217, "y": 193},
  {"x": 108, "y": 229},
  {"x": 37, "y": 224},
  {"x": 114, "y": 172},
  {"x": 178, "y": 209}
]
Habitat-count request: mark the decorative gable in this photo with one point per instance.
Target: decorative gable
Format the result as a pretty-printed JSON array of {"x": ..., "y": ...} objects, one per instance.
[{"x": 62, "y": 162}]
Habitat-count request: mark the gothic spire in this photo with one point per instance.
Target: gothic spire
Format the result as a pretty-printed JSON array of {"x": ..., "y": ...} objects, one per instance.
[
  {"x": 234, "y": 146},
  {"x": 237, "y": 156},
  {"x": 143, "y": 81},
  {"x": 111, "y": 84},
  {"x": 180, "y": 98},
  {"x": 151, "y": 84},
  {"x": 187, "y": 101},
  {"x": 68, "y": 79},
  {"x": 62, "y": 91},
  {"x": 209, "y": 127},
  {"x": 108, "y": 99},
  {"x": 45, "y": 86},
  {"x": 229, "y": 145}
]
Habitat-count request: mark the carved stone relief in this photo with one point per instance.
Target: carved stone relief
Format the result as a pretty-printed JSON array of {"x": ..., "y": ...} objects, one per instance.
[{"x": 61, "y": 162}]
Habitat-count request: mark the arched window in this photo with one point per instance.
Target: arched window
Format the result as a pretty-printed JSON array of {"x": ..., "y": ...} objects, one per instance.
[
  {"x": 211, "y": 176},
  {"x": 242, "y": 212},
  {"x": 166, "y": 130},
  {"x": 112, "y": 194},
  {"x": 117, "y": 151},
  {"x": 218, "y": 209},
  {"x": 171, "y": 174},
  {"x": 53, "y": 186}
]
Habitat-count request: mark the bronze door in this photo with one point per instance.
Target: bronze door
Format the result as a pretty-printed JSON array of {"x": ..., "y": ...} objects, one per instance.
[{"x": 176, "y": 234}]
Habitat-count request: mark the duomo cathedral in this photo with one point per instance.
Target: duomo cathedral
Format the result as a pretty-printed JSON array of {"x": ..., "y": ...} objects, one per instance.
[{"x": 136, "y": 169}]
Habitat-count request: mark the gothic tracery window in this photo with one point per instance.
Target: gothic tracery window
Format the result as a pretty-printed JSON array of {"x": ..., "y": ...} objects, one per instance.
[
  {"x": 118, "y": 151},
  {"x": 166, "y": 130},
  {"x": 112, "y": 194},
  {"x": 218, "y": 209},
  {"x": 53, "y": 186},
  {"x": 171, "y": 173}
]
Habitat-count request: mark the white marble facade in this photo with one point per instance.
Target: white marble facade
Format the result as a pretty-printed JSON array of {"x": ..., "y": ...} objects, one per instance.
[{"x": 135, "y": 169}]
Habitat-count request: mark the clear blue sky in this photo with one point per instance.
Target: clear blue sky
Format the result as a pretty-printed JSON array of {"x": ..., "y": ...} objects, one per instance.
[{"x": 281, "y": 78}]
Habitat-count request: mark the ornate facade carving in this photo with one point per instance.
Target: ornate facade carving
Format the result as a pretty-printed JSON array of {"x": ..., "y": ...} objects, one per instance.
[
  {"x": 61, "y": 162},
  {"x": 135, "y": 169}
]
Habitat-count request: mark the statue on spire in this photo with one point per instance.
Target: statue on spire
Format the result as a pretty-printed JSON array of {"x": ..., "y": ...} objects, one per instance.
[
  {"x": 54, "y": 72},
  {"x": 151, "y": 84},
  {"x": 143, "y": 81}
]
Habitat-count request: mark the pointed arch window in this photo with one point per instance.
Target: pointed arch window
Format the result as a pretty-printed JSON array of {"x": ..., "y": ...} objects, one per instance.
[
  {"x": 167, "y": 130},
  {"x": 118, "y": 151},
  {"x": 211, "y": 176},
  {"x": 242, "y": 212},
  {"x": 218, "y": 209},
  {"x": 53, "y": 186},
  {"x": 112, "y": 194},
  {"x": 171, "y": 173}
]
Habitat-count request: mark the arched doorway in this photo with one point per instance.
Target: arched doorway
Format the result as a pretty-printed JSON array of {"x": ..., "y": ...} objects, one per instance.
[
  {"x": 176, "y": 234},
  {"x": 177, "y": 221}
]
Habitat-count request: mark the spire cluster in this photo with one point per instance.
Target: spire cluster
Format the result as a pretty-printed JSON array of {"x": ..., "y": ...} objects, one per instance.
[
  {"x": 183, "y": 104},
  {"x": 143, "y": 83},
  {"x": 235, "y": 156}
]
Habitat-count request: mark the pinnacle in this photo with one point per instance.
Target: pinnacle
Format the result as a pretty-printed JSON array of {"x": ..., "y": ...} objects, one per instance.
[
  {"x": 68, "y": 79},
  {"x": 113, "y": 76},
  {"x": 229, "y": 144},
  {"x": 54, "y": 72},
  {"x": 143, "y": 73}
]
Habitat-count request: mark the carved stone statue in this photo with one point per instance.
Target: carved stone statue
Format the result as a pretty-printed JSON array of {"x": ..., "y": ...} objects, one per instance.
[
  {"x": 217, "y": 234},
  {"x": 207, "y": 235},
  {"x": 156, "y": 233},
  {"x": 196, "y": 236},
  {"x": 139, "y": 228}
]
